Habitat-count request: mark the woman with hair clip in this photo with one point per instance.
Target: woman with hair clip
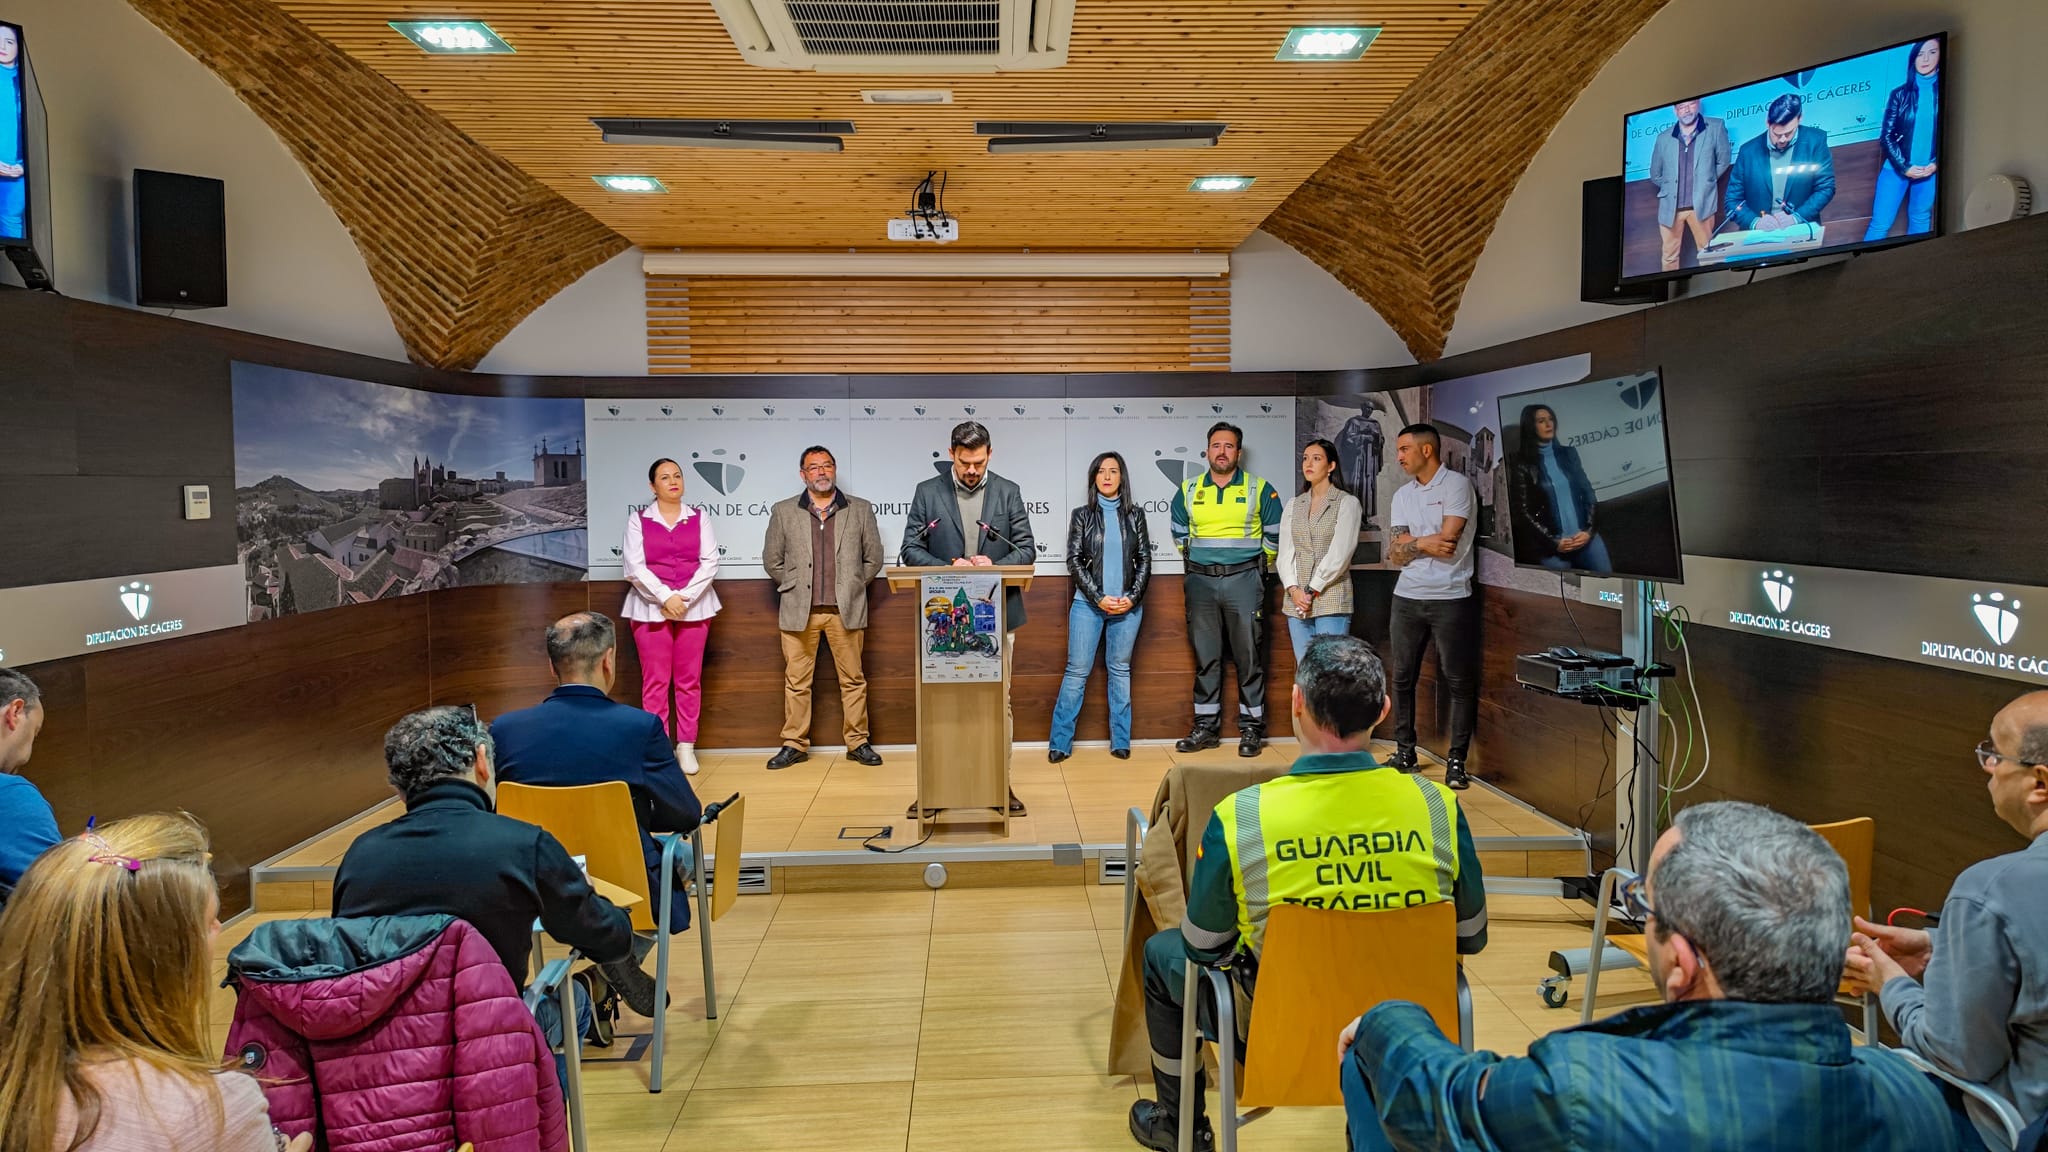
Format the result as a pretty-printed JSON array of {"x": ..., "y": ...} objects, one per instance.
[
  {"x": 106, "y": 954},
  {"x": 1318, "y": 534},
  {"x": 1109, "y": 556},
  {"x": 670, "y": 559}
]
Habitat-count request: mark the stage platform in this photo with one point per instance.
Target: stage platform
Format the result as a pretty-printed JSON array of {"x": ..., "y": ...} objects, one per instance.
[{"x": 805, "y": 826}]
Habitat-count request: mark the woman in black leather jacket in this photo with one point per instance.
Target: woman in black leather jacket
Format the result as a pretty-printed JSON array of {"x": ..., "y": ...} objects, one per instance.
[
  {"x": 1911, "y": 139},
  {"x": 1109, "y": 556}
]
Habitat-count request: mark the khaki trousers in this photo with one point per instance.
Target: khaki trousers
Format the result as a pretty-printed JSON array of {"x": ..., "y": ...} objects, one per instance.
[
  {"x": 1702, "y": 231},
  {"x": 799, "y": 664}
]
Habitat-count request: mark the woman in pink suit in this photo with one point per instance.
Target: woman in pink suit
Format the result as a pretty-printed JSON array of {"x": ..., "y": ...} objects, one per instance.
[{"x": 671, "y": 557}]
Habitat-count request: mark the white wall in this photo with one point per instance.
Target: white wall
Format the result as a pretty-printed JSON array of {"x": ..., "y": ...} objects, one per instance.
[
  {"x": 1527, "y": 281},
  {"x": 1287, "y": 314},
  {"x": 121, "y": 95},
  {"x": 594, "y": 327}
]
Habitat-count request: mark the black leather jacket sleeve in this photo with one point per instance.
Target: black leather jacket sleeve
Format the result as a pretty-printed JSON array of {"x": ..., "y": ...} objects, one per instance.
[
  {"x": 1138, "y": 546},
  {"x": 1084, "y": 560},
  {"x": 1900, "y": 111}
]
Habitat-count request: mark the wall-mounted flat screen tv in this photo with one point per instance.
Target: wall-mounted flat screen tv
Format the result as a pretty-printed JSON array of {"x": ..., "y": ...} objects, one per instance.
[{"x": 1838, "y": 157}]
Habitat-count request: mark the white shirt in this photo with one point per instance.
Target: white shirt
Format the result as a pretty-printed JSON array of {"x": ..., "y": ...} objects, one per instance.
[
  {"x": 1423, "y": 508},
  {"x": 647, "y": 593}
]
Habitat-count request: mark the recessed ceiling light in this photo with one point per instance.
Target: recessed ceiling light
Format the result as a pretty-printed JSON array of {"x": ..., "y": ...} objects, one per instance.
[
  {"x": 1221, "y": 183},
  {"x": 630, "y": 184},
  {"x": 1326, "y": 43},
  {"x": 906, "y": 96},
  {"x": 452, "y": 37}
]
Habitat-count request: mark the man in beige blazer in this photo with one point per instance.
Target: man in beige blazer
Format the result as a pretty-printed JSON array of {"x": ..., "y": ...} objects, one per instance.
[{"x": 823, "y": 548}]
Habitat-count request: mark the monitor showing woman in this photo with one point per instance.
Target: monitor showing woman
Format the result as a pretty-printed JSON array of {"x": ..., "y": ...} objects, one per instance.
[{"x": 1554, "y": 506}]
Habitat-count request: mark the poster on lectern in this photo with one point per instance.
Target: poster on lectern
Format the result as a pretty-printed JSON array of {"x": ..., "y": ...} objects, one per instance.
[{"x": 962, "y": 638}]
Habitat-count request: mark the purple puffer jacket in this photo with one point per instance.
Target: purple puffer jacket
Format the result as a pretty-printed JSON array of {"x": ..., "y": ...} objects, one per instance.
[{"x": 392, "y": 1034}]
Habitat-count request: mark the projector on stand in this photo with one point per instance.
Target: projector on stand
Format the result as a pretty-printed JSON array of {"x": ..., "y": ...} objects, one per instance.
[
  {"x": 1588, "y": 677},
  {"x": 933, "y": 229}
]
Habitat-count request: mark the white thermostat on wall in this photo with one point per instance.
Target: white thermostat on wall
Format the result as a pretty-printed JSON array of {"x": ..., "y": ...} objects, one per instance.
[{"x": 198, "y": 502}]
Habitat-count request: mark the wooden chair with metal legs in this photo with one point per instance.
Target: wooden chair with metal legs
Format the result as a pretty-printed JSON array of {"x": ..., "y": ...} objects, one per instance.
[
  {"x": 1318, "y": 970},
  {"x": 1855, "y": 841}
]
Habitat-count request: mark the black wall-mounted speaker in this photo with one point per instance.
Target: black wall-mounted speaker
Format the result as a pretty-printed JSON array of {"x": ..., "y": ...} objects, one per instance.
[
  {"x": 181, "y": 241},
  {"x": 1600, "y": 249}
]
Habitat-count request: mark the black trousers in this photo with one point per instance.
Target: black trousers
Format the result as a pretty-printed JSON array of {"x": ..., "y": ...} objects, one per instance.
[
  {"x": 1224, "y": 614},
  {"x": 1454, "y": 626},
  {"x": 1165, "y": 973}
]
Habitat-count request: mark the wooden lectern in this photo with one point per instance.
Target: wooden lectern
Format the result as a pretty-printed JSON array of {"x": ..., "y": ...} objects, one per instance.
[{"x": 963, "y": 730}]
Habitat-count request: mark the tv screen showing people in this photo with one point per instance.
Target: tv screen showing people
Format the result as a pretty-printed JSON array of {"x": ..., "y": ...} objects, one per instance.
[
  {"x": 1589, "y": 479},
  {"x": 1831, "y": 158},
  {"x": 13, "y": 136}
]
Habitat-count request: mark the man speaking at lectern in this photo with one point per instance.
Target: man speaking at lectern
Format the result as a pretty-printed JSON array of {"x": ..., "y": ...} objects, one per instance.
[{"x": 969, "y": 502}]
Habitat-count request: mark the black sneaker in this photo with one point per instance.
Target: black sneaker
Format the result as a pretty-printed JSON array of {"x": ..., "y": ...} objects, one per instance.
[
  {"x": 1404, "y": 759},
  {"x": 1054, "y": 755},
  {"x": 1120, "y": 753},
  {"x": 865, "y": 754},
  {"x": 787, "y": 755},
  {"x": 604, "y": 1006},
  {"x": 633, "y": 985},
  {"x": 1205, "y": 734},
  {"x": 1154, "y": 1126},
  {"x": 1454, "y": 774}
]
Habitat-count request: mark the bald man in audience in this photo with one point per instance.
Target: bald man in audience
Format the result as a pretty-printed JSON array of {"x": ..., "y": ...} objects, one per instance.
[
  {"x": 1971, "y": 993},
  {"x": 27, "y": 826}
]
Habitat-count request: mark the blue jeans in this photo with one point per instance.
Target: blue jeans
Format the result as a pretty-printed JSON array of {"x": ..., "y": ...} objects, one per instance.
[
  {"x": 1892, "y": 189},
  {"x": 1361, "y": 1117},
  {"x": 548, "y": 1014},
  {"x": 1591, "y": 558},
  {"x": 14, "y": 207},
  {"x": 1303, "y": 631},
  {"x": 1086, "y": 627}
]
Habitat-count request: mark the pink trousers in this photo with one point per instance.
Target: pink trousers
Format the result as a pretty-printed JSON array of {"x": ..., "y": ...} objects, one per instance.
[{"x": 672, "y": 658}]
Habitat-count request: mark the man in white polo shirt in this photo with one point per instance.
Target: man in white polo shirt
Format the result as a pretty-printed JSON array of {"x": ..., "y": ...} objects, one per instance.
[{"x": 1433, "y": 600}]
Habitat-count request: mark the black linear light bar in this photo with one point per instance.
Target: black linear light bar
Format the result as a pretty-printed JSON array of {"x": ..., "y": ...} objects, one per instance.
[
  {"x": 1009, "y": 136},
  {"x": 764, "y": 135}
]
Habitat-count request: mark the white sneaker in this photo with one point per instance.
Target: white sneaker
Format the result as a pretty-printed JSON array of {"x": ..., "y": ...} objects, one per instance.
[{"x": 686, "y": 754}]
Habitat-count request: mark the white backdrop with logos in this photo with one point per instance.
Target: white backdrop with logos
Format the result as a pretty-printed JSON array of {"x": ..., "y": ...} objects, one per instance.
[{"x": 740, "y": 456}]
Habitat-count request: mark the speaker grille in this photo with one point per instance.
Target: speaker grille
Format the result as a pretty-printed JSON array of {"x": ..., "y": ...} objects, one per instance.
[{"x": 181, "y": 251}]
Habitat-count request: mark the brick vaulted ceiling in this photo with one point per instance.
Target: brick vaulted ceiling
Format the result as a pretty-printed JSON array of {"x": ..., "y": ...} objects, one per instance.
[
  {"x": 466, "y": 182},
  {"x": 1401, "y": 214}
]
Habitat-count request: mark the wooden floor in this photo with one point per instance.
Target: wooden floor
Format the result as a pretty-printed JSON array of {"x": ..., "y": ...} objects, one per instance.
[{"x": 829, "y": 803}]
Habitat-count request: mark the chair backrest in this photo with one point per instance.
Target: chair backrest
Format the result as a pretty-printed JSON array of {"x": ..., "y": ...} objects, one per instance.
[
  {"x": 1856, "y": 842},
  {"x": 596, "y": 822},
  {"x": 730, "y": 829},
  {"x": 1319, "y": 970}
]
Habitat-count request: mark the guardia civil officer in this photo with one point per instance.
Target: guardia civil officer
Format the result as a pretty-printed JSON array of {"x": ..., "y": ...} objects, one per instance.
[
  {"x": 1337, "y": 831},
  {"x": 1227, "y": 523}
]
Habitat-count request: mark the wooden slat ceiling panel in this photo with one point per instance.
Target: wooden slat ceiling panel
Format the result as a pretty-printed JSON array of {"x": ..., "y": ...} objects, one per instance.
[
  {"x": 735, "y": 324},
  {"x": 1129, "y": 60}
]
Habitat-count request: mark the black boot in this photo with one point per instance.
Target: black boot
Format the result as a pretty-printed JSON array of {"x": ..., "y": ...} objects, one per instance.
[
  {"x": 633, "y": 985},
  {"x": 1251, "y": 736},
  {"x": 1156, "y": 1123},
  {"x": 1207, "y": 733}
]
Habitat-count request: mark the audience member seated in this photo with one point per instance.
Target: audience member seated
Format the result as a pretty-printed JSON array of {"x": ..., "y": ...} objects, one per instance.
[
  {"x": 1747, "y": 914},
  {"x": 450, "y": 853},
  {"x": 580, "y": 735},
  {"x": 1334, "y": 793},
  {"x": 105, "y": 956},
  {"x": 27, "y": 826},
  {"x": 1972, "y": 994}
]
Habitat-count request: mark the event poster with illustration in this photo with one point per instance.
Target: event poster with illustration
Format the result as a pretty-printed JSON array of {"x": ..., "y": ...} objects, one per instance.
[{"x": 962, "y": 638}]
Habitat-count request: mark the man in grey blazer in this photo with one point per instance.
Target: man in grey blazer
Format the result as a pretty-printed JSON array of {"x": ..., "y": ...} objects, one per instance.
[
  {"x": 822, "y": 549},
  {"x": 1686, "y": 165},
  {"x": 971, "y": 503}
]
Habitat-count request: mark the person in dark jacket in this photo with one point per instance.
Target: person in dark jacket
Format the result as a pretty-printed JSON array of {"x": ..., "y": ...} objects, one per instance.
[
  {"x": 1109, "y": 556},
  {"x": 580, "y": 735},
  {"x": 1911, "y": 138},
  {"x": 1784, "y": 175},
  {"x": 1552, "y": 500},
  {"x": 451, "y": 854}
]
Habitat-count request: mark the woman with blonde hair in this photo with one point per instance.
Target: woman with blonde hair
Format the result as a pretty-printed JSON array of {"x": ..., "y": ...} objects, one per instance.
[{"x": 105, "y": 957}]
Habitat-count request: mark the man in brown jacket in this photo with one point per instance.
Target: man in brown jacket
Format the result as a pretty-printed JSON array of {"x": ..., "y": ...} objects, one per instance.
[{"x": 823, "y": 548}]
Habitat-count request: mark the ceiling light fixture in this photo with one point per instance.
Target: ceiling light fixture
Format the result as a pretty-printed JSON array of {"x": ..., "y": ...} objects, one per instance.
[
  {"x": 1013, "y": 136},
  {"x": 761, "y": 135},
  {"x": 452, "y": 37},
  {"x": 906, "y": 96},
  {"x": 630, "y": 184},
  {"x": 1326, "y": 44},
  {"x": 1221, "y": 183}
]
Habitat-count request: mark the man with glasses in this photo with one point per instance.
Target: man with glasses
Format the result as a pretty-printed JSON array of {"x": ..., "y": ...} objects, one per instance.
[
  {"x": 1971, "y": 995},
  {"x": 822, "y": 549},
  {"x": 1745, "y": 913}
]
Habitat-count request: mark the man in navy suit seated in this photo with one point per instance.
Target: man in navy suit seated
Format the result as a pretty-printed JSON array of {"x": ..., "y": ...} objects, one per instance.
[{"x": 580, "y": 735}]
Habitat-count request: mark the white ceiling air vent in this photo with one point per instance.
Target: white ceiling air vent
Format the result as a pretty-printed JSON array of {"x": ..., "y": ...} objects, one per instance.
[{"x": 900, "y": 37}]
